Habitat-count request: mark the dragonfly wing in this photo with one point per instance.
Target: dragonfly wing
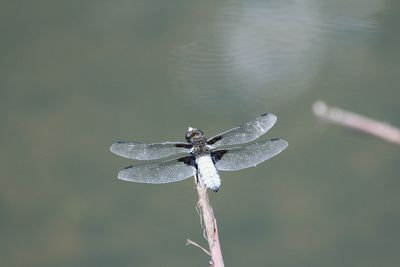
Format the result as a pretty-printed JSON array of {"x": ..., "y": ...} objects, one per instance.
[
  {"x": 245, "y": 133},
  {"x": 144, "y": 151},
  {"x": 160, "y": 172},
  {"x": 248, "y": 155}
]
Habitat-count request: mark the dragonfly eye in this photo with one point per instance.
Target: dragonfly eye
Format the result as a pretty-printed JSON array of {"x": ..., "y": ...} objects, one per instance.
[
  {"x": 188, "y": 136},
  {"x": 193, "y": 133}
]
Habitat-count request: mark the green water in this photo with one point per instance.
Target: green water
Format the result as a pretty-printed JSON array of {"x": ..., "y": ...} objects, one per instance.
[{"x": 76, "y": 76}]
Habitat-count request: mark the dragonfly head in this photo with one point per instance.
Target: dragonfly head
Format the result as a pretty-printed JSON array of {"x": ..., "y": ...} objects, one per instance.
[{"x": 193, "y": 134}]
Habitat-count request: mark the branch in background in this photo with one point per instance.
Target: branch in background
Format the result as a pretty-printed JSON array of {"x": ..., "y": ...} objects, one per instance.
[
  {"x": 354, "y": 121},
  {"x": 209, "y": 225}
]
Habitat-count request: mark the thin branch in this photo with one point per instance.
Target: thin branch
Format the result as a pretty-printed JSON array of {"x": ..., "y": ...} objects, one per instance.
[
  {"x": 190, "y": 242},
  {"x": 209, "y": 224},
  {"x": 355, "y": 121}
]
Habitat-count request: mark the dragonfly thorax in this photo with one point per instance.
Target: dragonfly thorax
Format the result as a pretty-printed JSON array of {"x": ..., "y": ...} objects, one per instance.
[{"x": 197, "y": 139}]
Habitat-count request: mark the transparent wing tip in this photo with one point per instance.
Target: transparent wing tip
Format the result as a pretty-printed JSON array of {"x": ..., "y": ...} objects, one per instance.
[
  {"x": 270, "y": 117},
  {"x": 122, "y": 174},
  {"x": 283, "y": 144},
  {"x": 114, "y": 148}
]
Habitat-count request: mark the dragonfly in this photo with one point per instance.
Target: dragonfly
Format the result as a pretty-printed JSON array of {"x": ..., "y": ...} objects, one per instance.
[{"x": 232, "y": 150}]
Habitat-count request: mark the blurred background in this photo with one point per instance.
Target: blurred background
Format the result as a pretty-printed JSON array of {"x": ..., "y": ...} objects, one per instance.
[{"x": 76, "y": 76}]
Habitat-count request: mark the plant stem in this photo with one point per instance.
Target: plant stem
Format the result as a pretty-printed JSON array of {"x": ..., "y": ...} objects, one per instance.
[{"x": 209, "y": 225}]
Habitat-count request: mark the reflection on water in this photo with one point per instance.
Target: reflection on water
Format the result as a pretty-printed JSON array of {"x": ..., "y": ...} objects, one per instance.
[{"x": 267, "y": 49}]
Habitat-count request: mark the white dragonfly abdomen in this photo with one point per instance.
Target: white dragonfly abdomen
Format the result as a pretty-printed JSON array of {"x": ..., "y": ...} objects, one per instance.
[{"x": 208, "y": 173}]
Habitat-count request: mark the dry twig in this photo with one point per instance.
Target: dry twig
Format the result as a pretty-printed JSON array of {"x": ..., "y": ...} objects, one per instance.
[
  {"x": 190, "y": 242},
  {"x": 209, "y": 225},
  {"x": 354, "y": 121}
]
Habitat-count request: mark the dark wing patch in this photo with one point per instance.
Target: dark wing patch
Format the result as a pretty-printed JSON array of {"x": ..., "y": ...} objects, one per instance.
[
  {"x": 218, "y": 154},
  {"x": 189, "y": 160},
  {"x": 214, "y": 139}
]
